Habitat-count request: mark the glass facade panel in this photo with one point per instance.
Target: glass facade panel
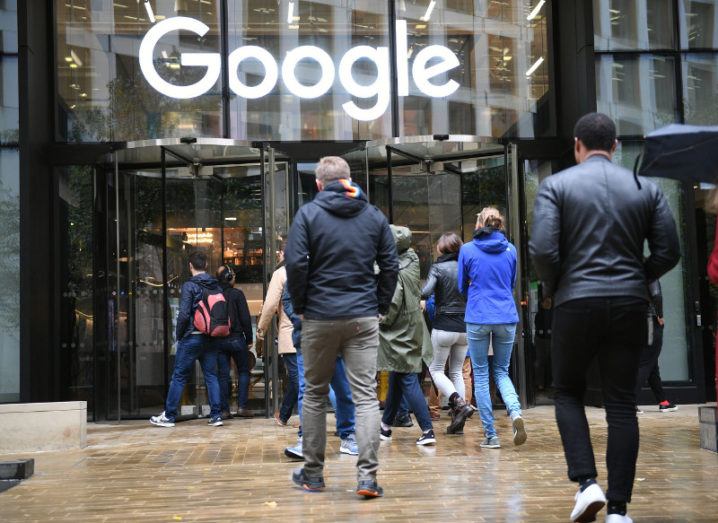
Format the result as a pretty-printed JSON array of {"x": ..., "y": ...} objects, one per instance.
[
  {"x": 633, "y": 24},
  {"x": 502, "y": 77},
  {"x": 700, "y": 88},
  {"x": 102, "y": 92},
  {"x": 9, "y": 206},
  {"x": 638, "y": 92},
  {"x": 674, "y": 358},
  {"x": 699, "y": 24}
]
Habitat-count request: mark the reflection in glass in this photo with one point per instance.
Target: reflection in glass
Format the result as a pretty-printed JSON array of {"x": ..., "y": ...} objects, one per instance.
[
  {"x": 638, "y": 92},
  {"x": 674, "y": 357},
  {"x": 633, "y": 24},
  {"x": 698, "y": 24},
  {"x": 503, "y": 76},
  {"x": 102, "y": 92},
  {"x": 700, "y": 88}
]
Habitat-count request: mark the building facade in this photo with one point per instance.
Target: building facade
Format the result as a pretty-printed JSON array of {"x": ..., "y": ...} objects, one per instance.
[{"x": 132, "y": 132}]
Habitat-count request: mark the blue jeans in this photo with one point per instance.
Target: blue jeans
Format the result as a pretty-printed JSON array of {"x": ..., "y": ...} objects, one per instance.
[
  {"x": 292, "y": 393},
  {"x": 403, "y": 411},
  {"x": 234, "y": 348},
  {"x": 190, "y": 349},
  {"x": 479, "y": 337},
  {"x": 343, "y": 403},
  {"x": 406, "y": 385}
]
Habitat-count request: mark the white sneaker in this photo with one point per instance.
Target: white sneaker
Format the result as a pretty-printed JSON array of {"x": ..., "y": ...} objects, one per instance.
[
  {"x": 617, "y": 518},
  {"x": 162, "y": 421},
  {"x": 588, "y": 503}
]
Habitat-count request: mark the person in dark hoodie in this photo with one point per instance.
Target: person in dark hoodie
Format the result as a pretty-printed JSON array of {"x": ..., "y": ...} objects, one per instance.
[
  {"x": 334, "y": 243},
  {"x": 192, "y": 345},
  {"x": 487, "y": 275}
]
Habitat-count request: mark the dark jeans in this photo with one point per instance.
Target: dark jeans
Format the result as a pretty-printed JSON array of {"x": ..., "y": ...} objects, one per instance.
[
  {"x": 614, "y": 330},
  {"x": 403, "y": 410},
  {"x": 648, "y": 367},
  {"x": 234, "y": 348},
  {"x": 406, "y": 385},
  {"x": 190, "y": 349},
  {"x": 292, "y": 392}
]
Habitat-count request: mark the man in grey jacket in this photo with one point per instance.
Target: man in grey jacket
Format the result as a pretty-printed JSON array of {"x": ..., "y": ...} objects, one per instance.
[{"x": 590, "y": 225}]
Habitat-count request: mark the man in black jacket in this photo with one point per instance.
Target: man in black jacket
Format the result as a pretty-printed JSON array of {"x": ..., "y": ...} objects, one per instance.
[
  {"x": 334, "y": 243},
  {"x": 590, "y": 225}
]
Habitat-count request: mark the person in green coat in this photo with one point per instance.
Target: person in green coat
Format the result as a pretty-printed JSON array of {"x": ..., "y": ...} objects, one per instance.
[{"x": 401, "y": 343}]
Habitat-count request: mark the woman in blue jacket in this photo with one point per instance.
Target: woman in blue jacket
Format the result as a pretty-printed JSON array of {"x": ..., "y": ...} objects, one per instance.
[{"x": 487, "y": 274}]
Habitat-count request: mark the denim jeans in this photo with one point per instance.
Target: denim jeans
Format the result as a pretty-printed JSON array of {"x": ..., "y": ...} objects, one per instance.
[
  {"x": 292, "y": 392},
  {"x": 343, "y": 403},
  {"x": 479, "y": 337},
  {"x": 233, "y": 348},
  {"x": 406, "y": 385},
  {"x": 190, "y": 349},
  {"x": 614, "y": 331},
  {"x": 403, "y": 411}
]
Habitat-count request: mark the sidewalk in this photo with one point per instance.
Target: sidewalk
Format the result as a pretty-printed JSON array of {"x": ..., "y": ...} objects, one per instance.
[{"x": 136, "y": 472}]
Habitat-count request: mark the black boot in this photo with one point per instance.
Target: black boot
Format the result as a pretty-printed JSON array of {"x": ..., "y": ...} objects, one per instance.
[{"x": 460, "y": 412}]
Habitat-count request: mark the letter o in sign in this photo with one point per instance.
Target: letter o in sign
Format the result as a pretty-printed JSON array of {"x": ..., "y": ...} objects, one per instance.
[{"x": 308, "y": 52}]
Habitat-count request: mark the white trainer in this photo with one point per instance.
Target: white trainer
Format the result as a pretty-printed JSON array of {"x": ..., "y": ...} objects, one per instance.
[
  {"x": 617, "y": 518},
  {"x": 162, "y": 421},
  {"x": 588, "y": 503}
]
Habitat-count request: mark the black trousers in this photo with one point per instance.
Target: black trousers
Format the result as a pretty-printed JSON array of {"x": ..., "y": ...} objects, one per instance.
[
  {"x": 648, "y": 367},
  {"x": 615, "y": 331}
]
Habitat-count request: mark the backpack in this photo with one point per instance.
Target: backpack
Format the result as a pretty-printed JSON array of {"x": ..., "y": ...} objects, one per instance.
[{"x": 212, "y": 315}]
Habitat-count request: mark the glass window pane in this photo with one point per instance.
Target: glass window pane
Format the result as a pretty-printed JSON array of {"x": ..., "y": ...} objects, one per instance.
[
  {"x": 9, "y": 101},
  {"x": 103, "y": 94},
  {"x": 699, "y": 19},
  {"x": 8, "y": 26},
  {"x": 502, "y": 76},
  {"x": 674, "y": 356},
  {"x": 700, "y": 88},
  {"x": 9, "y": 275},
  {"x": 633, "y": 24},
  {"x": 638, "y": 92}
]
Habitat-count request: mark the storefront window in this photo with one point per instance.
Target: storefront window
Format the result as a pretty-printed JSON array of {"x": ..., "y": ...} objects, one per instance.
[
  {"x": 638, "y": 92},
  {"x": 104, "y": 94},
  {"x": 700, "y": 88},
  {"x": 9, "y": 206},
  {"x": 633, "y": 24},
  {"x": 502, "y": 74}
]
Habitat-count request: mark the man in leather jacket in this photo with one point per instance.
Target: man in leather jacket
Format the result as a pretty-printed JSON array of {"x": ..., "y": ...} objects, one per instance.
[{"x": 590, "y": 225}]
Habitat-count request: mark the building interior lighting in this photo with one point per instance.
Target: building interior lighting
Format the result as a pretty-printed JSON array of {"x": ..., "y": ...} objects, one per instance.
[
  {"x": 150, "y": 12},
  {"x": 290, "y": 13},
  {"x": 534, "y": 13},
  {"x": 535, "y": 66},
  {"x": 75, "y": 58},
  {"x": 429, "y": 10}
]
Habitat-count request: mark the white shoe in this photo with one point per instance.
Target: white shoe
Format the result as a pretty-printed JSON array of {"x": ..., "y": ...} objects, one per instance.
[
  {"x": 588, "y": 503},
  {"x": 162, "y": 421},
  {"x": 617, "y": 518}
]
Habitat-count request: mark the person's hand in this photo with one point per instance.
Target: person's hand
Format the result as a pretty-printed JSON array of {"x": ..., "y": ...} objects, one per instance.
[
  {"x": 660, "y": 321},
  {"x": 258, "y": 347},
  {"x": 381, "y": 317},
  {"x": 422, "y": 304},
  {"x": 260, "y": 335}
]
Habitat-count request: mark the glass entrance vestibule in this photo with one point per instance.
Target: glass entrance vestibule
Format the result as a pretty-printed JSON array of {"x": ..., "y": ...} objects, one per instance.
[{"x": 127, "y": 223}]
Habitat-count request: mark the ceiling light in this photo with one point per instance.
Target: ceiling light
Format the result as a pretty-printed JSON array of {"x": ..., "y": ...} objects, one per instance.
[
  {"x": 231, "y": 218},
  {"x": 429, "y": 9},
  {"x": 75, "y": 58},
  {"x": 73, "y": 66},
  {"x": 68, "y": 58},
  {"x": 150, "y": 12},
  {"x": 535, "y": 66},
  {"x": 290, "y": 13},
  {"x": 536, "y": 10}
]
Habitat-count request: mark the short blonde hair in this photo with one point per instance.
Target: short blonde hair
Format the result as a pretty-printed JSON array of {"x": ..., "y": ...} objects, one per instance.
[
  {"x": 332, "y": 168},
  {"x": 490, "y": 217}
]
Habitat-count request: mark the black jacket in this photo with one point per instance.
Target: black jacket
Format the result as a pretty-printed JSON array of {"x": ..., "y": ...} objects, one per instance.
[
  {"x": 590, "y": 225},
  {"x": 239, "y": 317},
  {"x": 190, "y": 295},
  {"x": 333, "y": 244},
  {"x": 656, "y": 306},
  {"x": 443, "y": 282}
]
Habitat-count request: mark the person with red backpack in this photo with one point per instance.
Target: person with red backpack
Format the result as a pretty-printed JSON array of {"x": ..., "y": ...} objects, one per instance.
[{"x": 203, "y": 315}]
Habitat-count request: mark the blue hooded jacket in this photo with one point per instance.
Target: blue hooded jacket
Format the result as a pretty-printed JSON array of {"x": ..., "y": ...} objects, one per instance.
[{"x": 487, "y": 274}]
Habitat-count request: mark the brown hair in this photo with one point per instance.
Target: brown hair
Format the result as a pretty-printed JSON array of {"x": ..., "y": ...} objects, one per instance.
[
  {"x": 712, "y": 201},
  {"x": 490, "y": 217},
  {"x": 449, "y": 242}
]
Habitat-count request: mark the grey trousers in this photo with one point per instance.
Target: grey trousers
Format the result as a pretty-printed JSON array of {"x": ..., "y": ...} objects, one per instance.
[{"x": 357, "y": 341}]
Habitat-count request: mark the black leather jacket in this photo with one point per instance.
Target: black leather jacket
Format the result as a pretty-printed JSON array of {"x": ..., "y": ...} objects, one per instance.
[
  {"x": 590, "y": 224},
  {"x": 656, "y": 306},
  {"x": 443, "y": 283}
]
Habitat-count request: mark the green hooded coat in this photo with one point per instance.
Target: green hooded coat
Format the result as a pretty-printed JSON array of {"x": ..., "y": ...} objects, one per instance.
[{"x": 403, "y": 337}]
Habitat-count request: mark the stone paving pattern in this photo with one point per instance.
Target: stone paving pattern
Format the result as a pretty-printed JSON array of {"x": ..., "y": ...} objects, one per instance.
[{"x": 136, "y": 472}]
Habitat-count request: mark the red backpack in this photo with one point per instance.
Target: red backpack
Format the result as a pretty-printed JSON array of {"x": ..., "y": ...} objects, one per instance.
[{"x": 212, "y": 315}]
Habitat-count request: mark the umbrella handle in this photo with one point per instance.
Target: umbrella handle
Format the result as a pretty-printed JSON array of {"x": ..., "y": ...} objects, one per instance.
[{"x": 635, "y": 170}]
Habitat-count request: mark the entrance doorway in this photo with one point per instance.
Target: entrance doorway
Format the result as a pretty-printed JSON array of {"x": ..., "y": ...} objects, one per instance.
[{"x": 131, "y": 221}]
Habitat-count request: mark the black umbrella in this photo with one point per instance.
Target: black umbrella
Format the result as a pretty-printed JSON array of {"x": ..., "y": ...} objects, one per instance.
[{"x": 682, "y": 152}]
